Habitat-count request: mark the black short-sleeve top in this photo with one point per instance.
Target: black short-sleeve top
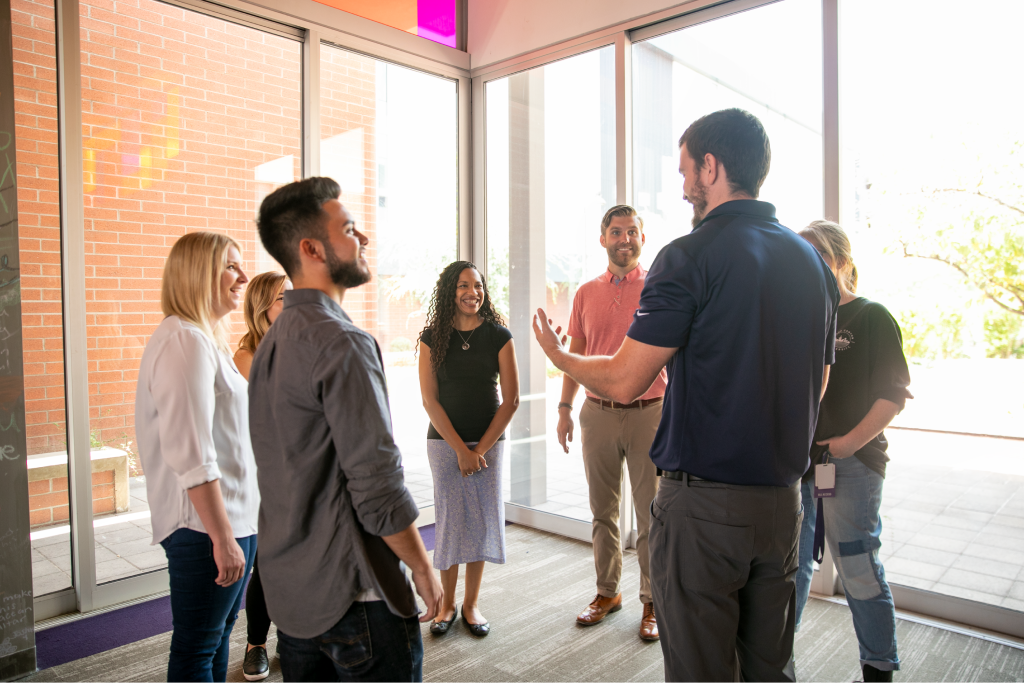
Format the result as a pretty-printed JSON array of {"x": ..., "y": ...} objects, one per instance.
[
  {"x": 467, "y": 382},
  {"x": 869, "y": 365}
]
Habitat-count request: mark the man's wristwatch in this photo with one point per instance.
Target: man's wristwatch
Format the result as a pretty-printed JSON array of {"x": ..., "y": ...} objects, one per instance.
[{"x": 563, "y": 404}]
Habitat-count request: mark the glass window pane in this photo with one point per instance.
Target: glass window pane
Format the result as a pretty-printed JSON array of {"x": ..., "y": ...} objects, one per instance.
[
  {"x": 395, "y": 160},
  {"x": 39, "y": 277},
  {"x": 933, "y": 198},
  {"x": 550, "y": 178},
  {"x": 188, "y": 122},
  {"x": 681, "y": 76}
]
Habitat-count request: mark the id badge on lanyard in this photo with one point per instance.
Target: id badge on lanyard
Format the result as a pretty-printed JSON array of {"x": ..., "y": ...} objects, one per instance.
[{"x": 825, "y": 478}]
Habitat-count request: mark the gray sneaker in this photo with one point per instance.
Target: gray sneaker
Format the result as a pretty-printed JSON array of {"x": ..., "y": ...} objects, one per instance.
[{"x": 256, "y": 666}]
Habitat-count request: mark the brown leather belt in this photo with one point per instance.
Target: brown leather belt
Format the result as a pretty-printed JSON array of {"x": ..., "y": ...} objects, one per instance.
[{"x": 639, "y": 403}]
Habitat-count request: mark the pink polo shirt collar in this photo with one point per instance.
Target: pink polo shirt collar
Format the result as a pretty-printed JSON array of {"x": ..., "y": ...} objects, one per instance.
[{"x": 631, "y": 276}]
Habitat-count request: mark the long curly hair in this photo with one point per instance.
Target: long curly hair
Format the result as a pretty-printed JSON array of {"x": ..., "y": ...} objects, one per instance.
[
  {"x": 260, "y": 296},
  {"x": 441, "y": 312}
]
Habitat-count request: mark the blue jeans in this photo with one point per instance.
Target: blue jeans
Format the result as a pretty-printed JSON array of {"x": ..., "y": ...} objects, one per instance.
[
  {"x": 368, "y": 644},
  {"x": 853, "y": 532},
  {"x": 202, "y": 612}
]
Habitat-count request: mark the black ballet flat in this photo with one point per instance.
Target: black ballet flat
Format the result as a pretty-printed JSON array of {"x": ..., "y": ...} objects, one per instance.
[
  {"x": 439, "y": 628},
  {"x": 478, "y": 630}
]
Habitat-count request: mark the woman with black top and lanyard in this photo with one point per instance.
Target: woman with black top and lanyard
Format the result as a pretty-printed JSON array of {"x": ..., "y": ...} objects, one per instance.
[
  {"x": 867, "y": 388},
  {"x": 463, "y": 351}
]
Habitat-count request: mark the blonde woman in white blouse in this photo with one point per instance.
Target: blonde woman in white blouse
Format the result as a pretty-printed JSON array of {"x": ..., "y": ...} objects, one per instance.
[{"x": 192, "y": 426}]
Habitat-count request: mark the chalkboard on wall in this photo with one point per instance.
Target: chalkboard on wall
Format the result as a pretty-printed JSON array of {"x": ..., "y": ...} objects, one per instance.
[{"x": 17, "y": 634}]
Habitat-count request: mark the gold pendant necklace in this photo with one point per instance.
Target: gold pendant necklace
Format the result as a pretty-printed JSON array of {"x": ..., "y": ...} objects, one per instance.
[{"x": 465, "y": 340}]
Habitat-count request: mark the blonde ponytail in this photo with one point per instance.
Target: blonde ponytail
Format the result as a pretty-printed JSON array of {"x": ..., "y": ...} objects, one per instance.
[{"x": 834, "y": 245}]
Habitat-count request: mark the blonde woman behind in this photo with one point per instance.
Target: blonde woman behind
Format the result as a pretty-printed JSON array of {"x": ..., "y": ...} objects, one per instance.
[
  {"x": 264, "y": 301},
  {"x": 867, "y": 387},
  {"x": 192, "y": 424}
]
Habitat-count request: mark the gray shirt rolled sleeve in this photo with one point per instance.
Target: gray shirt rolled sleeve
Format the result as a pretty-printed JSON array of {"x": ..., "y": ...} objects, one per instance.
[
  {"x": 329, "y": 472},
  {"x": 349, "y": 378}
]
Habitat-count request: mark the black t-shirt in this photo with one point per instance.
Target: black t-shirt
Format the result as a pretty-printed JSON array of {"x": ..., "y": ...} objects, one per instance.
[
  {"x": 869, "y": 365},
  {"x": 467, "y": 382}
]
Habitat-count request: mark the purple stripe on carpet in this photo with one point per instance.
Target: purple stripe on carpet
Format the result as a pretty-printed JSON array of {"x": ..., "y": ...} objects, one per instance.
[
  {"x": 92, "y": 635},
  {"x": 89, "y": 636},
  {"x": 427, "y": 532}
]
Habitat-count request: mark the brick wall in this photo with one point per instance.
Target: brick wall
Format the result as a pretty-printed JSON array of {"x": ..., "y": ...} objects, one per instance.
[
  {"x": 188, "y": 122},
  {"x": 181, "y": 113},
  {"x": 48, "y": 498},
  {"x": 348, "y": 103},
  {"x": 35, "y": 93}
]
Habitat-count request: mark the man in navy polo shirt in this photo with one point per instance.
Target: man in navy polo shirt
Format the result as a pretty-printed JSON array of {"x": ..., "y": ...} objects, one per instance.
[{"x": 743, "y": 313}]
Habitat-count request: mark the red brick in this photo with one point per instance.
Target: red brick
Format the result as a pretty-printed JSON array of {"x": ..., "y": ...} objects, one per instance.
[
  {"x": 48, "y": 500},
  {"x": 40, "y": 517}
]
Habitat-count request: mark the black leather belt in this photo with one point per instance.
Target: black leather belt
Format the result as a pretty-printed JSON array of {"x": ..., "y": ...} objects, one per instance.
[{"x": 678, "y": 476}]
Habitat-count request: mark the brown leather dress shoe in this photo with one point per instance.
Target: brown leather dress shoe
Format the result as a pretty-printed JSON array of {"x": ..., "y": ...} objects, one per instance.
[
  {"x": 598, "y": 609},
  {"x": 648, "y": 624}
]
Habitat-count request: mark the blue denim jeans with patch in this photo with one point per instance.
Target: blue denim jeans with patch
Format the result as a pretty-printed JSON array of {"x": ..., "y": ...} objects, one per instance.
[{"x": 853, "y": 530}]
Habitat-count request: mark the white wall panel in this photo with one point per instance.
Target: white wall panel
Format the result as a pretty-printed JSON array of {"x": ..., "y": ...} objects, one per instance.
[{"x": 499, "y": 29}]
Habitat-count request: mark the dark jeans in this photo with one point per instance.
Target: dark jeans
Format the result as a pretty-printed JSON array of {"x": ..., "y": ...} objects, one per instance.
[
  {"x": 202, "y": 612},
  {"x": 368, "y": 644},
  {"x": 257, "y": 621},
  {"x": 723, "y": 562}
]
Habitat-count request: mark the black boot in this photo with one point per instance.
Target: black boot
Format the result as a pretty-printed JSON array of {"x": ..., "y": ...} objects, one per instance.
[{"x": 872, "y": 674}]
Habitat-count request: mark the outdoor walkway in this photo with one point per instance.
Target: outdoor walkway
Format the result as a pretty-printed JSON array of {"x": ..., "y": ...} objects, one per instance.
[{"x": 952, "y": 518}]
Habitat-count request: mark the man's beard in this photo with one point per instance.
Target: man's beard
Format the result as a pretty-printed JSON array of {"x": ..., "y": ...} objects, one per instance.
[
  {"x": 699, "y": 198},
  {"x": 623, "y": 260},
  {"x": 347, "y": 274}
]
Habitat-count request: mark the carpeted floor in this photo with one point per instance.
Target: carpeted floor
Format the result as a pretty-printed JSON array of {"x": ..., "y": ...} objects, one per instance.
[{"x": 532, "y": 601}]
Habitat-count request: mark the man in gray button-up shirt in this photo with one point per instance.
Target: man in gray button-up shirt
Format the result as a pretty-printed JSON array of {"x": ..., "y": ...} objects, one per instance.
[{"x": 335, "y": 517}]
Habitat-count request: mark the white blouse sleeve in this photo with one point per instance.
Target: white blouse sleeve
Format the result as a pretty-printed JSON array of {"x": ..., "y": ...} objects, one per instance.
[{"x": 183, "y": 392}]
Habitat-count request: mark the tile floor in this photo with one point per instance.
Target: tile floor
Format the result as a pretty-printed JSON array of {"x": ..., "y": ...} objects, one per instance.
[{"x": 122, "y": 549}]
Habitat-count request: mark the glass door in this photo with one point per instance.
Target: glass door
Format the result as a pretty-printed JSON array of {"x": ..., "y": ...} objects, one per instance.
[
  {"x": 933, "y": 200},
  {"x": 396, "y": 162},
  {"x": 550, "y": 178},
  {"x": 180, "y": 135},
  {"x": 680, "y": 76},
  {"x": 40, "y": 329}
]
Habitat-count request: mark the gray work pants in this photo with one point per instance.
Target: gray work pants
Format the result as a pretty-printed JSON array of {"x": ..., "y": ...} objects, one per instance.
[{"x": 723, "y": 562}]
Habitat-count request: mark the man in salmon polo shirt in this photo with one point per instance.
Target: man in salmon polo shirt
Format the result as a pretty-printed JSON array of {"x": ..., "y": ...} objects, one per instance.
[{"x": 614, "y": 432}]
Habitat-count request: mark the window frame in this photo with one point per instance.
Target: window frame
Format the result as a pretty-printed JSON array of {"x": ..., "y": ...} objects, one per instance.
[{"x": 310, "y": 24}]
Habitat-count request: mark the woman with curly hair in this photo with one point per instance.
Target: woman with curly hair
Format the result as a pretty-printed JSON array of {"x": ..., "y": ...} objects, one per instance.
[
  {"x": 463, "y": 351},
  {"x": 264, "y": 301}
]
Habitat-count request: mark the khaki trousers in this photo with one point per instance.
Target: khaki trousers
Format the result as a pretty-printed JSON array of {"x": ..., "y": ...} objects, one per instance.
[{"x": 609, "y": 436}]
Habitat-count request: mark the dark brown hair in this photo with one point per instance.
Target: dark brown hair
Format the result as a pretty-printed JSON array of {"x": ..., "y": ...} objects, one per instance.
[
  {"x": 441, "y": 312},
  {"x": 737, "y": 140}
]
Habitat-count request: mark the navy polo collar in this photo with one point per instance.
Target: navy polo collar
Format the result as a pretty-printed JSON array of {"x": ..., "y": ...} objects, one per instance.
[{"x": 746, "y": 207}]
